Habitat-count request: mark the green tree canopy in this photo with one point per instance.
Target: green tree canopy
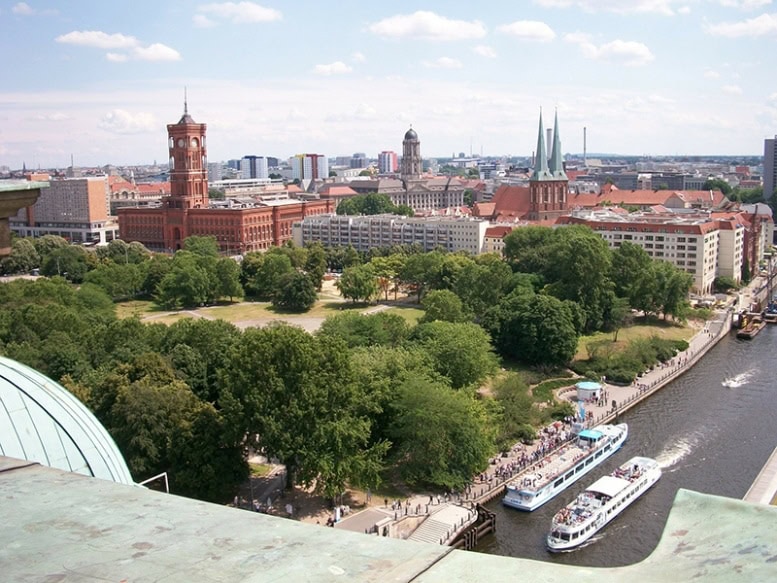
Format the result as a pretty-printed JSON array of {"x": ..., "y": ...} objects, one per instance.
[
  {"x": 443, "y": 437},
  {"x": 24, "y": 257},
  {"x": 443, "y": 305},
  {"x": 371, "y": 204},
  {"x": 296, "y": 293},
  {"x": 358, "y": 283},
  {"x": 460, "y": 352},
  {"x": 381, "y": 329}
]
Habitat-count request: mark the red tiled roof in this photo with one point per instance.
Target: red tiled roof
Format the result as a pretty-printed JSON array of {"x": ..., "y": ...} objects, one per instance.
[
  {"x": 153, "y": 187},
  {"x": 511, "y": 202},
  {"x": 498, "y": 232},
  {"x": 645, "y": 197},
  {"x": 483, "y": 209},
  {"x": 337, "y": 190}
]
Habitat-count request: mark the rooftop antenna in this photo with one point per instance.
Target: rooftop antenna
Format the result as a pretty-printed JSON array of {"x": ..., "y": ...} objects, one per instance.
[{"x": 185, "y": 102}]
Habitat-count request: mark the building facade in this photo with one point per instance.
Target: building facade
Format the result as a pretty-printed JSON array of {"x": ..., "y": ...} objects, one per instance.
[
  {"x": 366, "y": 232},
  {"x": 309, "y": 167},
  {"x": 412, "y": 165},
  {"x": 699, "y": 244},
  {"x": 387, "y": 162},
  {"x": 253, "y": 167},
  {"x": 77, "y": 209},
  {"x": 252, "y": 225},
  {"x": 548, "y": 185},
  {"x": 770, "y": 167}
]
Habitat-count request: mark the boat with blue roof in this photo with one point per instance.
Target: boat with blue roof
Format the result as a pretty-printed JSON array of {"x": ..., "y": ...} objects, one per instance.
[{"x": 565, "y": 466}]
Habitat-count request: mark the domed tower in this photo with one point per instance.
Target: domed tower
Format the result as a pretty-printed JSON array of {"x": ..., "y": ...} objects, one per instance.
[{"x": 411, "y": 156}]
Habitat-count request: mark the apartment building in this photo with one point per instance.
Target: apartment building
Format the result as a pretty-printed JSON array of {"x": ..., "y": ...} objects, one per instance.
[
  {"x": 77, "y": 209},
  {"x": 365, "y": 232},
  {"x": 703, "y": 246}
]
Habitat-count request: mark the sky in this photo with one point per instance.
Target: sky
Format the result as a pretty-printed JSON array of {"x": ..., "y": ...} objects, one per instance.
[{"x": 100, "y": 80}]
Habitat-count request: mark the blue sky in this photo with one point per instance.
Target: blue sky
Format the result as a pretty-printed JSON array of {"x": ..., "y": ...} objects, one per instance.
[{"x": 100, "y": 80}]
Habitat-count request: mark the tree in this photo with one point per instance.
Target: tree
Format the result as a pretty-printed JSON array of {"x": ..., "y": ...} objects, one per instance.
[
  {"x": 526, "y": 249},
  {"x": 535, "y": 329},
  {"x": 372, "y": 204},
  {"x": 201, "y": 245},
  {"x": 578, "y": 269},
  {"x": 297, "y": 255},
  {"x": 442, "y": 437},
  {"x": 23, "y": 258},
  {"x": 119, "y": 280},
  {"x": 358, "y": 283},
  {"x": 617, "y": 316},
  {"x": 296, "y": 293},
  {"x": 315, "y": 264},
  {"x": 297, "y": 394},
  {"x": 381, "y": 329},
  {"x": 48, "y": 243},
  {"x": 186, "y": 285},
  {"x": 71, "y": 262},
  {"x": 631, "y": 265},
  {"x": 263, "y": 274},
  {"x": 460, "y": 352},
  {"x": 672, "y": 287},
  {"x": 154, "y": 271},
  {"x": 717, "y": 184},
  {"x": 119, "y": 251},
  {"x": 387, "y": 270},
  {"x": 469, "y": 199},
  {"x": 420, "y": 270},
  {"x": 442, "y": 305},
  {"x": 227, "y": 273},
  {"x": 482, "y": 283}
]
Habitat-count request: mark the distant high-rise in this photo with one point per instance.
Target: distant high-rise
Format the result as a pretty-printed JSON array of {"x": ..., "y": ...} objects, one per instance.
[
  {"x": 770, "y": 167},
  {"x": 309, "y": 166},
  {"x": 253, "y": 167},
  {"x": 387, "y": 162}
]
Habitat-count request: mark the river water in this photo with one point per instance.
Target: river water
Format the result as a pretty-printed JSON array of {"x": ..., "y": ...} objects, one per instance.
[{"x": 711, "y": 430}]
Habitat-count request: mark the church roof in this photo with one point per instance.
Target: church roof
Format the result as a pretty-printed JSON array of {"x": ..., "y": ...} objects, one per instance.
[
  {"x": 411, "y": 135},
  {"x": 41, "y": 421},
  {"x": 541, "y": 170}
]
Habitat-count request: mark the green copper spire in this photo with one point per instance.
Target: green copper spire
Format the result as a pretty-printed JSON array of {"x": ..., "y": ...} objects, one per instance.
[
  {"x": 556, "y": 163},
  {"x": 541, "y": 171}
]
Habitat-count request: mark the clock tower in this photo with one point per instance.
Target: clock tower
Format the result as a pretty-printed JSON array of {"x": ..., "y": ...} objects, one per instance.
[{"x": 188, "y": 176}]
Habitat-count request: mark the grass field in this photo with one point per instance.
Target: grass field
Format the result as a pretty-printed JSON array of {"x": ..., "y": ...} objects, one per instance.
[
  {"x": 658, "y": 328},
  {"x": 411, "y": 315}
]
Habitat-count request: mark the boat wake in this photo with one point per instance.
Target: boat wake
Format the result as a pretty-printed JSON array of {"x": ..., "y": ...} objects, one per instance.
[
  {"x": 738, "y": 380},
  {"x": 674, "y": 453}
]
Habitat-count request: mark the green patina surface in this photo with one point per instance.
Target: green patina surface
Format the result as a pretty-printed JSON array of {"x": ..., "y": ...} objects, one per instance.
[{"x": 65, "y": 527}]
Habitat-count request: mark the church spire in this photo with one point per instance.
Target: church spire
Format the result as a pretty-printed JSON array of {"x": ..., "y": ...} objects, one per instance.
[
  {"x": 185, "y": 118},
  {"x": 556, "y": 158},
  {"x": 541, "y": 171}
]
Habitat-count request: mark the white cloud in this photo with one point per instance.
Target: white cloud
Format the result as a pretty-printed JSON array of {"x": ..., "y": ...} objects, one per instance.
[
  {"x": 202, "y": 21},
  {"x": 528, "y": 30},
  {"x": 336, "y": 68},
  {"x": 101, "y": 40},
  {"x": 156, "y": 52},
  {"x": 710, "y": 74},
  {"x": 120, "y": 121},
  {"x": 617, "y": 6},
  {"x": 98, "y": 39},
  {"x": 56, "y": 116},
  {"x": 358, "y": 57},
  {"x": 752, "y": 27},
  {"x": 732, "y": 89},
  {"x": 427, "y": 26},
  {"x": 485, "y": 51},
  {"x": 23, "y": 9},
  {"x": 443, "y": 63},
  {"x": 629, "y": 53},
  {"x": 660, "y": 99},
  {"x": 365, "y": 111},
  {"x": 745, "y": 4},
  {"x": 241, "y": 12},
  {"x": 684, "y": 10}
]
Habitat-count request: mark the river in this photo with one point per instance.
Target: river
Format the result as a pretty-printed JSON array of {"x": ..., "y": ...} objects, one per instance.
[{"x": 708, "y": 436}]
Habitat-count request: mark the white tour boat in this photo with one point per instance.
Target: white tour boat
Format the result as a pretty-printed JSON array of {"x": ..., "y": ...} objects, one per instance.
[
  {"x": 563, "y": 467},
  {"x": 602, "y": 501}
]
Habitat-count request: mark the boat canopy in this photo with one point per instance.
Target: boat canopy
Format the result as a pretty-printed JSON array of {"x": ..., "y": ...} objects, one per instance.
[
  {"x": 608, "y": 486},
  {"x": 590, "y": 434}
]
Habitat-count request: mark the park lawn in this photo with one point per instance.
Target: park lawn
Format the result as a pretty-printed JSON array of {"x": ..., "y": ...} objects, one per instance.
[
  {"x": 658, "y": 328},
  {"x": 139, "y": 308},
  {"x": 259, "y": 470},
  {"x": 239, "y": 312},
  {"x": 170, "y": 318},
  {"x": 410, "y": 315}
]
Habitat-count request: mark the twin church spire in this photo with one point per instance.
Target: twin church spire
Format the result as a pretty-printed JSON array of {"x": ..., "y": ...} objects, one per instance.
[{"x": 545, "y": 169}]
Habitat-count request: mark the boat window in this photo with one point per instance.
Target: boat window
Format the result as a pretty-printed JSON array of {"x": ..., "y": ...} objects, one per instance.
[
  {"x": 558, "y": 482},
  {"x": 575, "y": 535},
  {"x": 588, "y": 461},
  {"x": 608, "y": 446},
  {"x": 565, "y": 536},
  {"x": 599, "y": 453},
  {"x": 569, "y": 475},
  {"x": 578, "y": 468}
]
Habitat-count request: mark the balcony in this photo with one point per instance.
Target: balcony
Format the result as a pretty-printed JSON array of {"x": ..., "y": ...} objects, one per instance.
[{"x": 15, "y": 195}]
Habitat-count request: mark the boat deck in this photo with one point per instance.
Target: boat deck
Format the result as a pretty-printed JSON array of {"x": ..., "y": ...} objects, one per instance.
[{"x": 550, "y": 467}]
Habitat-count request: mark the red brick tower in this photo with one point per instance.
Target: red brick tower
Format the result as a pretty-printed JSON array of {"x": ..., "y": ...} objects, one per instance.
[{"x": 188, "y": 175}]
